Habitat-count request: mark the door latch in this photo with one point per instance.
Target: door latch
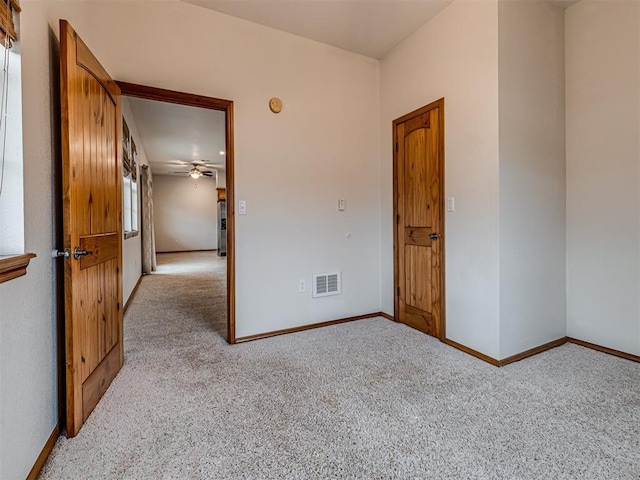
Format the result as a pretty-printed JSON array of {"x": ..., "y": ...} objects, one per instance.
[
  {"x": 434, "y": 236},
  {"x": 77, "y": 253},
  {"x": 66, "y": 253}
]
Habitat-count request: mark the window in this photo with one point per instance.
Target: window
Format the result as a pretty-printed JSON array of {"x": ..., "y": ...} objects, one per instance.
[
  {"x": 134, "y": 206},
  {"x": 13, "y": 262},
  {"x": 11, "y": 164},
  {"x": 129, "y": 183},
  {"x": 126, "y": 203}
]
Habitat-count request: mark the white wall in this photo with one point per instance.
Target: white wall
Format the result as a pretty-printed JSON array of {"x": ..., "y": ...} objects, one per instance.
[
  {"x": 454, "y": 56},
  {"x": 532, "y": 175},
  {"x": 603, "y": 173},
  {"x": 185, "y": 213},
  {"x": 290, "y": 168},
  {"x": 131, "y": 247},
  {"x": 221, "y": 179}
]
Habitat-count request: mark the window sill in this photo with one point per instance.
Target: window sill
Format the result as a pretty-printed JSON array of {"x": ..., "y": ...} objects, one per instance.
[
  {"x": 130, "y": 234},
  {"x": 14, "y": 266}
]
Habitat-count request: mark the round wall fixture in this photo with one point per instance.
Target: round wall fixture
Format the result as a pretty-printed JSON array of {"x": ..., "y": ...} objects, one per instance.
[{"x": 275, "y": 104}]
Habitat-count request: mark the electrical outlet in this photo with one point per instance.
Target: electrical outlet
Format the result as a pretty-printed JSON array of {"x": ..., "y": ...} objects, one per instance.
[{"x": 302, "y": 285}]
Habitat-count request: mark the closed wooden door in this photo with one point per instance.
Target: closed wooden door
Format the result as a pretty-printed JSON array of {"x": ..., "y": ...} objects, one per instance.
[
  {"x": 419, "y": 243},
  {"x": 92, "y": 212}
]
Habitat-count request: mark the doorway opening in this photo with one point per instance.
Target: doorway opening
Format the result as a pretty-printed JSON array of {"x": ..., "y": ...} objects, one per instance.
[{"x": 214, "y": 171}]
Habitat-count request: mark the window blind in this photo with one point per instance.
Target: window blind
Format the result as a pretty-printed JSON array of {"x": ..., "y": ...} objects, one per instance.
[{"x": 7, "y": 26}]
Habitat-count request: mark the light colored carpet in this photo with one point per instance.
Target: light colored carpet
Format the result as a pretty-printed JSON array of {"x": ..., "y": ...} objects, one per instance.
[{"x": 367, "y": 399}]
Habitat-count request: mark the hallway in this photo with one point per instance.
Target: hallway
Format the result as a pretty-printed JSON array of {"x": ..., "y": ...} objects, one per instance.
[{"x": 186, "y": 295}]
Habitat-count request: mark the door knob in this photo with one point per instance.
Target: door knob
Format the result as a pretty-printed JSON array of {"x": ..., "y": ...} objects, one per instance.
[
  {"x": 77, "y": 253},
  {"x": 434, "y": 236}
]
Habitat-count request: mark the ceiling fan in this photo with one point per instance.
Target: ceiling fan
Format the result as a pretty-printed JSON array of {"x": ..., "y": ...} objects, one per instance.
[{"x": 195, "y": 171}]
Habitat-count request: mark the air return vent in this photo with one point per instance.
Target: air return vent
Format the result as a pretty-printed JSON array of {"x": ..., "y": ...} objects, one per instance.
[{"x": 325, "y": 284}]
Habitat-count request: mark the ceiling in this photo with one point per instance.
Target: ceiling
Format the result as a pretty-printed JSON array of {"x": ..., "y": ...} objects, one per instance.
[
  {"x": 173, "y": 134},
  {"x": 368, "y": 27}
]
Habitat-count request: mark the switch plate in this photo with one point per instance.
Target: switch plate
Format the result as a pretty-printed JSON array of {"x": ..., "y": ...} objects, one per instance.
[
  {"x": 342, "y": 204},
  {"x": 302, "y": 285},
  {"x": 451, "y": 204},
  {"x": 242, "y": 207}
]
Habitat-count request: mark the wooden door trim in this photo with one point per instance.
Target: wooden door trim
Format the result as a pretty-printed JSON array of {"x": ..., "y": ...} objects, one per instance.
[
  {"x": 396, "y": 283},
  {"x": 200, "y": 101}
]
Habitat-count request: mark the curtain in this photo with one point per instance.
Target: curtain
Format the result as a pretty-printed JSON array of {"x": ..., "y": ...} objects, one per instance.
[{"x": 148, "y": 233}]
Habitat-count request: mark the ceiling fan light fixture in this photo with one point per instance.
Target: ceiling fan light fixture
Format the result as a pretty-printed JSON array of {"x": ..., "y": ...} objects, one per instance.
[{"x": 195, "y": 173}]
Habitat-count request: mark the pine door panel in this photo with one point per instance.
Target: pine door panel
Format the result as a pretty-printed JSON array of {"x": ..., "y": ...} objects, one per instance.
[
  {"x": 417, "y": 166},
  {"x": 418, "y": 277}
]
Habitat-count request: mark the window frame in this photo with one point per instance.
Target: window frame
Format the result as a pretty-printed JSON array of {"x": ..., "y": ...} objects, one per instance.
[{"x": 129, "y": 183}]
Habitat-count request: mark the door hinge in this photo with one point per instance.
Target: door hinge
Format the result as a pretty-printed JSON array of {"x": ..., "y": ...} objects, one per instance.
[
  {"x": 398, "y": 291},
  {"x": 397, "y": 219}
]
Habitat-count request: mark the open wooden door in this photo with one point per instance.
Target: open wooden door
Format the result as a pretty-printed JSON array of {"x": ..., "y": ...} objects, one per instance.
[
  {"x": 419, "y": 209},
  {"x": 92, "y": 211}
]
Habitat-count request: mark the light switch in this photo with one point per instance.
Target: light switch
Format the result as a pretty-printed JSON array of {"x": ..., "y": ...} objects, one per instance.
[
  {"x": 342, "y": 204},
  {"x": 451, "y": 204},
  {"x": 242, "y": 207}
]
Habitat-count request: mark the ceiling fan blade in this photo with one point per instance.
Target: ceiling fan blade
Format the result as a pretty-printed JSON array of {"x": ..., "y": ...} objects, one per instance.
[
  {"x": 182, "y": 172},
  {"x": 207, "y": 174},
  {"x": 208, "y": 164}
]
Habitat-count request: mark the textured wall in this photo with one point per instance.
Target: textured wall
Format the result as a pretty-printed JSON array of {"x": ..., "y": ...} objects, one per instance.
[
  {"x": 532, "y": 175},
  {"x": 440, "y": 61},
  {"x": 290, "y": 168},
  {"x": 603, "y": 173},
  {"x": 185, "y": 213}
]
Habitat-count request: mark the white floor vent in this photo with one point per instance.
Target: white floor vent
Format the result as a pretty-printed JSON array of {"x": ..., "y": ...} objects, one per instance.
[{"x": 325, "y": 284}]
